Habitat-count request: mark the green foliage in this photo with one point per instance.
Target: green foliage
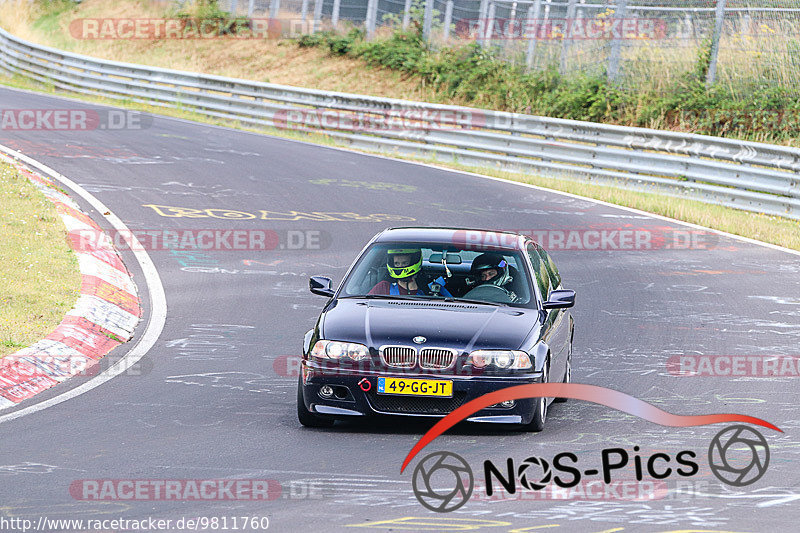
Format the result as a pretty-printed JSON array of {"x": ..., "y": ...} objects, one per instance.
[
  {"x": 48, "y": 13},
  {"x": 472, "y": 74},
  {"x": 337, "y": 44},
  {"x": 210, "y": 10}
]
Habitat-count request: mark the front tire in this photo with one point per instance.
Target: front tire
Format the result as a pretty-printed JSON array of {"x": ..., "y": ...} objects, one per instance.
[
  {"x": 306, "y": 417},
  {"x": 540, "y": 408},
  {"x": 567, "y": 376}
]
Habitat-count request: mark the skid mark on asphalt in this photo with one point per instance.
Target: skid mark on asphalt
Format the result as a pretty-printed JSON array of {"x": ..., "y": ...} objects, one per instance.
[
  {"x": 29, "y": 508},
  {"x": 210, "y": 191},
  {"x": 32, "y": 468},
  {"x": 210, "y": 342},
  {"x": 232, "y": 380},
  {"x": 432, "y": 524}
]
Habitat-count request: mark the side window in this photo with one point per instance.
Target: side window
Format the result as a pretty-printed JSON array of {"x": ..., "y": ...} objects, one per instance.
[
  {"x": 540, "y": 270},
  {"x": 549, "y": 264}
]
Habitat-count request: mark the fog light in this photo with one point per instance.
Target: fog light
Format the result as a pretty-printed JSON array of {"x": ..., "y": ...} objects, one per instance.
[
  {"x": 326, "y": 391},
  {"x": 508, "y": 404}
]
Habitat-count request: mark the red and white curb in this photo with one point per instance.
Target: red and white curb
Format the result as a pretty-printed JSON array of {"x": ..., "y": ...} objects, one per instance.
[{"x": 105, "y": 315}]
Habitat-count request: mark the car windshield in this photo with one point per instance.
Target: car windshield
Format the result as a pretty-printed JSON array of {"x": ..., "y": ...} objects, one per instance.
[{"x": 441, "y": 271}]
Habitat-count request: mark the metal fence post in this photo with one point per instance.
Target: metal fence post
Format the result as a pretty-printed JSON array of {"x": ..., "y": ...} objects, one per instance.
[
  {"x": 250, "y": 5},
  {"x": 534, "y": 12},
  {"x": 317, "y": 16},
  {"x": 616, "y": 43},
  {"x": 427, "y": 21},
  {"x": 687, "y": 21},
  {"x": 337, "y": 4},
  {"x": 372, "y": 14},
  {"x": 565, "y": 45},
  {"x": 712, "y": 64},
  {"x": 234, "y": 6},
  {"x": 490, "y": 22},
  {"x": 303, "y": 10},
  {"x": 406, "y": 15},
  {"x": 274, "y": 7},
  {"x": 448, "y": 19},
  {"x": 482, "y": 21},
  {"x": 510, "y": 27}
]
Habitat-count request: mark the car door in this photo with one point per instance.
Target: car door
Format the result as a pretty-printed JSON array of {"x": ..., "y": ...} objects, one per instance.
[{"x": 557, "y": 321}]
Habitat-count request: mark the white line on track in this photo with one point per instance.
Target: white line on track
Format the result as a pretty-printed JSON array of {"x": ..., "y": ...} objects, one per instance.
[{"x": 158, "y": 301}]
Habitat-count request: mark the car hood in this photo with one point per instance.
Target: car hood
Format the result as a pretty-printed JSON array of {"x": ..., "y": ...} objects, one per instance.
[{"x": 448, "y": 324}]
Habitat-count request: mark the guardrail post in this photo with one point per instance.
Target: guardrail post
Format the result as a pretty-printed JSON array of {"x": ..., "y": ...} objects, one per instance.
[
  {"x": 406, "y": 14},
  {"x": 534, "y": 12},
  {"x": 616, "y": 44},
  {"x": 448, "y": 19},
  {"x": 484, "y": 8},
  {"x": 565, "y": 44},
  {"x": 337, "y": 4},
  {"x": 427, "y": 21},
  {"x": 712, "y": 64},
  {"x": 317, "y": 16}
]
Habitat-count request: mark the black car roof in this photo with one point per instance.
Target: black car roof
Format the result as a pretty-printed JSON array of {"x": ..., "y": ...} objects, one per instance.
[{"x": 457, "y": 236}]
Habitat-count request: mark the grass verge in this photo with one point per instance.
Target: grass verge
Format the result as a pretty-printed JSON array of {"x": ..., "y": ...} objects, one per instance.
[
  {"x": 770, "y": 229},
  {"x": 39, "y": 277}
]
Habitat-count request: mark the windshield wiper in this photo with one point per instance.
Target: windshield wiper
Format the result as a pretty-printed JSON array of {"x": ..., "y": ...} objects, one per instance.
[
  {"x": 377, "y": 297},
  {"x": 465, "y": 300},
  {"x": 421, "y": 297}
]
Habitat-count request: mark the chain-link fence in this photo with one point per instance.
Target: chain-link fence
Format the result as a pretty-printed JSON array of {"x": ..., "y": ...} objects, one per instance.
[{"x": 738, "y": 42}]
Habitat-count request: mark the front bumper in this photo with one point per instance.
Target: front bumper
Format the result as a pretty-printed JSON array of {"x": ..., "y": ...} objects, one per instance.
[{"x": 352, "y": 401}]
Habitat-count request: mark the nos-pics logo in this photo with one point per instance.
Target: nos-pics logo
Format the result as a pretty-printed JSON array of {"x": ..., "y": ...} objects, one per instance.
[{"x": 443, "y": 481}]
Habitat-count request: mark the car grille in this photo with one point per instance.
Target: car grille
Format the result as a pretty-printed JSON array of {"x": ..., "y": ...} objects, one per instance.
[
  {"x": 415, "y": 404},
  {"x": 398, "y": 356},
  {"x": 437, "y": 358}
]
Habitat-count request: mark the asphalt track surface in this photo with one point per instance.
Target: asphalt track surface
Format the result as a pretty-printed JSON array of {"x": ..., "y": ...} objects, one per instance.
[{"x": 212, "y": 403}]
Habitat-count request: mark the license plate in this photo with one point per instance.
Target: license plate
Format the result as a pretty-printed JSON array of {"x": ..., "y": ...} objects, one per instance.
[{"x": 415, "y": 387}]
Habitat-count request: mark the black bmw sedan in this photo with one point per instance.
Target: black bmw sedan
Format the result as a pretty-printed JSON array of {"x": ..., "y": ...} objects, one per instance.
[{"x": 427, "y": 319}]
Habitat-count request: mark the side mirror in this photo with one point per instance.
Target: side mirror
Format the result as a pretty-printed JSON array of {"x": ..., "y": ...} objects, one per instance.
[
  {"x": 560, "y": 299},
  {"x": 321, "y": 285}
]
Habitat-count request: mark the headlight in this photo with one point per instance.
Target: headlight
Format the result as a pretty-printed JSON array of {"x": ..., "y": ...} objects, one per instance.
[
  {"x": 504, "y": 359},
  {"x": 339, "y": 350}
]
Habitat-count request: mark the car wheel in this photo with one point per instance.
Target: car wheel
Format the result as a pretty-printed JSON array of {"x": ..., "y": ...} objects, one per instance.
[
  {"x": 567, "y": 376},
  {"x": 540, "y": 407},
  {"x": 306, "y": 417}
]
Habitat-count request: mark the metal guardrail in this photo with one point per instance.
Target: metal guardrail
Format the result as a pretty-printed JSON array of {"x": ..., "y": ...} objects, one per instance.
[{"x": 746, "y": 175}]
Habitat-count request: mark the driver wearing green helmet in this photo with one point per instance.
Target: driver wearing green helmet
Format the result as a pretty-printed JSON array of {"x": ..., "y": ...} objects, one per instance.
[{"x": 404, "y": 266}]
